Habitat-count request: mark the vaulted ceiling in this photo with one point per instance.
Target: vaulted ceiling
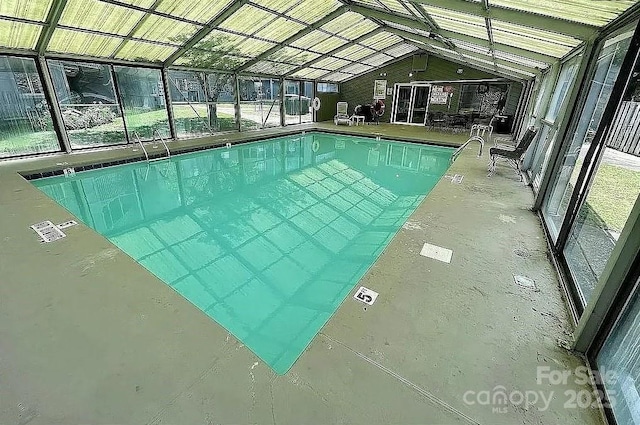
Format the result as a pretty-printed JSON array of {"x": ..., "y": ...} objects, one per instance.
[{"x": 327, "y": 40}]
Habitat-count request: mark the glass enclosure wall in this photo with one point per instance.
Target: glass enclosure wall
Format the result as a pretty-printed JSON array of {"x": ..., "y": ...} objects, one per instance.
[
  {"x": 619, "y": 363},
  {"x": 548, "y": 126},
  {"x": 202, "y": 103},
  {"x": 611, "y": 195},
  {"x": 142, "y": 95},
  {"x": 606, "y": 72},
  {"x": 25, "y": 122},
  {"x": 90, "y": 109},
  {"x": 259, "y": 102},
  {"x": 189, "y": 103}
]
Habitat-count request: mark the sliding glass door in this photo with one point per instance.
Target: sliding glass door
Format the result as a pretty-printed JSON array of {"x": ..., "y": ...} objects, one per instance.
[{"x": 411, "y": 104}]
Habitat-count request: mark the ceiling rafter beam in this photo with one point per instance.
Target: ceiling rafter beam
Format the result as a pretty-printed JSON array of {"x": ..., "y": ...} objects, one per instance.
[
  {"x": 430, "y": 21},
  {"x": 533, "y": 20},
  {"x": 203, "y": 32},
  {"x": 309, "y": 29},
  {"x": 53, "y": 17},
  {"x": 409, "y": 37},
  {"x": 337, "y": 49},
  {"x": 372, "y": 13}
]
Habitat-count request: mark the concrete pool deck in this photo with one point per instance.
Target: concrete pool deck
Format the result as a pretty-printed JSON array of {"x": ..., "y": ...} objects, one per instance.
[{"x": 88, "y": 336}]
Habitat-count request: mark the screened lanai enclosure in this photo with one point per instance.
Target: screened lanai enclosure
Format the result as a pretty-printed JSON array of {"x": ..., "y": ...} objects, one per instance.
[{"x": 89, "y": 83}]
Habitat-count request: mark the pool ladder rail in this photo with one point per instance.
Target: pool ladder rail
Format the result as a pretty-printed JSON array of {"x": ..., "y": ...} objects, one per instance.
[
  {"x": 156, "y": 137},
  {"x": 477, "y": 134}
]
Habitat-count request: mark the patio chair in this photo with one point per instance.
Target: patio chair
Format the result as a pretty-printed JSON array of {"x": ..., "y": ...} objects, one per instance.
[
  {"x": 342, "y": 114},
  {"x": 513, "y": 155}
]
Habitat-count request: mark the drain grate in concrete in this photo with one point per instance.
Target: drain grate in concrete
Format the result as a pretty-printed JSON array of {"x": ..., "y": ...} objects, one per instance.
[
  {"x": 48, "y": 231},
  {"x": 436, "y": 252},
  {"x": 524, "y": 281}
]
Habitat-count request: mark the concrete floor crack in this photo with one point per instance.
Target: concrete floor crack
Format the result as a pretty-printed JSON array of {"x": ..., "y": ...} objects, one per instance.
[{"x": 426, "y": 394}]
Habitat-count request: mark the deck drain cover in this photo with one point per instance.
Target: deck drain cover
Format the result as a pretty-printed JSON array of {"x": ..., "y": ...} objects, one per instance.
[
  {"x": 436, "y": 252},
  {"x": 48, "y": 231},
  {"x": 524, "y": 281}
]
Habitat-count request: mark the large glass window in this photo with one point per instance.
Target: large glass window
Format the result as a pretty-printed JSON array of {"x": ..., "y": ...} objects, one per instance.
[
  {"x": 306, "y": 100},
  {"x": 89, "y": 105},
  {"x": 142, "y": 95},
  {"x": 203, "y": 103},
  {"x": 548, "y": 133},
  {"x": 293, "y": 106},
  {"x": 606, "y": 72},
  {"x": 619, "y": 365},
  {"x": 259, "y": 103},
  {"x": 611, "y": 196},
  {"x": 25, "y": 121}
]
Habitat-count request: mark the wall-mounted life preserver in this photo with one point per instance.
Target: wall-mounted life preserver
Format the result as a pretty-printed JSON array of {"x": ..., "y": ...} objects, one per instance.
[
  {"x": 316, "y": 104},
  {"x": 315, "y": 145}
]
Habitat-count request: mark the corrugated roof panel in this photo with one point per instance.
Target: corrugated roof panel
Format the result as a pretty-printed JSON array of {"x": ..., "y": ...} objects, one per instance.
[
  {"x": 354, "y": 52},
  {"x": 328, "y": 45},
  {"x": 330, "y": 63},
  {"x": 401, "y": 50},
  {"x": 310, "y": 11},
  {"x": 279, "y": 30},
  {"x": 338, "y": 76},
  {"x": 293, "y": 56},
  {"x": 157, "y": 28},
  {"x": 18, "y": 35},
  {"x": 252, "y": 47},
  {"x": 142, "y": 51},
  {"x": 100, "y": 16},
  {"x": 342, "y": 22},
  {"x": 311, "y": 39},
  {"x": 247, "y": 20},
  {"x": 359, "y": 29},
  {"x": 35, "y": 10},
  {"x": 310, "y": 73},
  {"x": 586, "y": 11},
  {"x": 82, "y": 43},
  {"x": 199, "y": 11}
]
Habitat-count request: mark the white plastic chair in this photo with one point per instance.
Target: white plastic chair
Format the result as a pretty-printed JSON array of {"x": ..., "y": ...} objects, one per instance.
[{"x": 342, "y": 114}]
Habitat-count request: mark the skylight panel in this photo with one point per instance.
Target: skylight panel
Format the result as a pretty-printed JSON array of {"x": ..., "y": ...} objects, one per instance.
[
  {"x": 331, "y": 63},
  {"x": 278, "y": 6},
  {"x": 342, "y": 22},
  {"x": 293, "y": 56},
  {"x": 18, "y": 35},
  {"x": 273, "y": 68},
  {"x": 382, "y": 41},
  {"x": 247, "y": 20},
  {"x": 220, "y": 41},
  {"x": 279, "y": 30},
  {"x": 377, "y": 59},
  {"x": 310, "y": 11},
  {"x": 199, "y": 11},
  {"x": 158, "y": 28},
  {"x": 142, "y": 51},
  {"x": 357, "y": 69},
  {"x": 395, "y": 6},
  {"x": 35, "y": 10},
  {"x": 310, "y": 73},
  {"x": 311, "y": 39},
  {"x": 535, "y": 40},
  {"x": 100, "y": 16},
  {"x": 83, "y": 43},
  {"x": 359, "y": 29},
  {"x": 252, "y": 47},
  {"x": 590, "y": 12},
  {"x": 401, "y": 50},
  {"x": 328, "y": 45},
  {"x": 354, "y": 52},
  {"x": 397, "y": 26},
  {"x": 338, "y": 76},
  {"x": 462, "y": 23}
]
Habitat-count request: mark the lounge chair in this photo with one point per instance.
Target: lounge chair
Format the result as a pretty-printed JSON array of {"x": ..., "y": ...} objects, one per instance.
[
  {"x": 512, "y": 154},
  {"x": 342, "y": 114}
]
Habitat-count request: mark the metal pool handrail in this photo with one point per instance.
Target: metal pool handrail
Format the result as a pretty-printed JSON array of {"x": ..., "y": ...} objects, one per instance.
[
  {"x": 465, "y": 144},
  {"x": 136, "y": 136},
  {"x": 157, "y": 132}
]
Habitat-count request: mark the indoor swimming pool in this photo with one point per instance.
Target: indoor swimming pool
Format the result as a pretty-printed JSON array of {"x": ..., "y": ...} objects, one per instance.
[{"x": 266, "y": 238}]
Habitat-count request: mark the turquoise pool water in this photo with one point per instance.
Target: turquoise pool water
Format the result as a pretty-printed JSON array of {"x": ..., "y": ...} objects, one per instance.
[{"x": 266, "y": 238}]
